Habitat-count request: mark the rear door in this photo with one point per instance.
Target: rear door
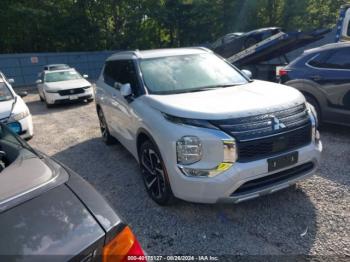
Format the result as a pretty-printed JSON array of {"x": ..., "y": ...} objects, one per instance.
[{"x": 332, "y": 72}]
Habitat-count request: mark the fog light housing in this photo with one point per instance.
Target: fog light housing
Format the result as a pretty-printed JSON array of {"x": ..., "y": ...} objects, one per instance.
[
  {"x": 188, "y": 150},
  {"x": 205, "y": 172}
]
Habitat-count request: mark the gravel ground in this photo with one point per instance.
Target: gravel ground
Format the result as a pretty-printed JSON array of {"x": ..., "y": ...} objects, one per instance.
[{"x": 312, "y": 218}]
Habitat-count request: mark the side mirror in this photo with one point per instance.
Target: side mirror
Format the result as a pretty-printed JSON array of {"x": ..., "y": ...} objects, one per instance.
[
  {"x": 11, "y": 80},
  {"x": 86, "y": 76},
  {"x": 247, "y": 73},
  {"x": 125, "y": 90},
  {"x": 22, "y": 93},
  {"x": 38, "y": 81}
]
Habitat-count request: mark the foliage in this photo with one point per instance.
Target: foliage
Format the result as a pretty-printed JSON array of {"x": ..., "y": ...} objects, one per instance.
[{"x": 83, "y": 25}]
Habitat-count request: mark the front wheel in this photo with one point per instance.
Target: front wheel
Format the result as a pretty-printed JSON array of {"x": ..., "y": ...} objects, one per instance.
[
  {"x": 106, "y": 136},
  {"x": 154, "y": 174},
  {"x": 315, "y": 104}
]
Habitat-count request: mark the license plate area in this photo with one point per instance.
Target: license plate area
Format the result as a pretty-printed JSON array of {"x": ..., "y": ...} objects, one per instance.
[
  {"x": 282, "y": 161},
  {"x": 73, "y": 97}
]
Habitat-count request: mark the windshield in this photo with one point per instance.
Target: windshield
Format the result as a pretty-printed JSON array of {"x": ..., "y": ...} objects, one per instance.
[
  {"x": 188, "y": 73},
  {"x": 62, "y": 76},
  {"x": 5, "y": 93}
]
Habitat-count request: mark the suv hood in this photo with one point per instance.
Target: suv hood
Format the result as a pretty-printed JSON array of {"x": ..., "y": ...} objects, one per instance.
[
  {"x": 254, "y": 98},
  {"x": 69, "y": 84}
]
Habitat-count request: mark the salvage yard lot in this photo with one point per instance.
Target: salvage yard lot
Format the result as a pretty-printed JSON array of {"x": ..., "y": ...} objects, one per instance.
[{"x": 311, "y": 218}]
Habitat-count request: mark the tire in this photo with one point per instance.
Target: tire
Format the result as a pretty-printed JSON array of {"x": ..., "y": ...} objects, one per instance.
[
  {"x": 89, "y": 100},
  {"x": 315, "y": 104},
  {"x": 154, "y": 174},
  {"x": 41, "y": 99},
  {"x": 106, "y": 136},
  {"x": 49, "y": 105}
]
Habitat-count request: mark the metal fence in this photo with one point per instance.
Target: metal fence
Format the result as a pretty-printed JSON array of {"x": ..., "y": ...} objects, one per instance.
[{"x": 24, "y": 68}]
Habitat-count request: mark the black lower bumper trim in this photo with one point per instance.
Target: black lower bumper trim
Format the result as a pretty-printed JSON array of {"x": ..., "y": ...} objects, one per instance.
[{"x": 266, "y": 181}]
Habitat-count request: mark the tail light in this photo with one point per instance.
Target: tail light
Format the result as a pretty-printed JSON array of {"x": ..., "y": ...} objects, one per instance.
[
  {"x": 122, "y": 246},
  {"x": 283, "y": 72}
]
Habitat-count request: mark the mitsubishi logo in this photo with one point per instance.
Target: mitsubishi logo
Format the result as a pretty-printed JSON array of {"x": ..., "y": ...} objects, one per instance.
[{"x": 276, "y": 123}]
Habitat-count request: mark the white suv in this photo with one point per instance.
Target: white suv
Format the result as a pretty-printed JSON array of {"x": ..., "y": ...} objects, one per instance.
[{"x": 203, "y": 131}]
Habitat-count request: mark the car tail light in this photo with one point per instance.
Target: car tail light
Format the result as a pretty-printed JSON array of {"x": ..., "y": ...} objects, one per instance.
[
  {"x": 122, "y": 246},
  {"x": 283, "y": 72}
]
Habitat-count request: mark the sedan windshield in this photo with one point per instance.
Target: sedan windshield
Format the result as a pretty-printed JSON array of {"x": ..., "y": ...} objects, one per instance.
[
  {"x": 62, "y": 76},
  {"x": 5, "y": 93},
  {"x": 188, "y": 73}
]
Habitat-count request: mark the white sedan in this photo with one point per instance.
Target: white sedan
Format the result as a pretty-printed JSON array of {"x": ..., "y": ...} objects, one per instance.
[
  {"x": 13, "y": 110},
  {"x": 65, "y": 85}
]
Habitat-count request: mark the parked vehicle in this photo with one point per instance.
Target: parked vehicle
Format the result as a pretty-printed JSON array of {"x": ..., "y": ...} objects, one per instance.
[
  {"x": 13, "y": 110},
  {"x": 52, "y": 67},
  {"x": 234, "y": 43},
  {"x": 323, "y": 76},
  {"x": 48, "y": 212},
  {"x": 63, "y": 85},
  {"x": 203, "y": 131}
]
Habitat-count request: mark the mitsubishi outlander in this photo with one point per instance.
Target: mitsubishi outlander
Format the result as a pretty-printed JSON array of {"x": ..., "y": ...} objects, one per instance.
[{"x": 201, "y": 129}]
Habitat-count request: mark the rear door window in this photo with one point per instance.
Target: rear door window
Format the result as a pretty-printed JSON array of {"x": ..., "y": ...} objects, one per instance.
[{"x": 332, "y": 59}]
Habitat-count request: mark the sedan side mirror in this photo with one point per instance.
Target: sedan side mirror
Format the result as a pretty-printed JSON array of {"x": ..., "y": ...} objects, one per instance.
[
  {"x": 38, "y": 81},
  {"x": 11, "y": 80},
  {"x": 86, "y": 76},
  {"x": 22, "y": 93},
  {"x": 125, "y": 90},
  {"x": 247, "y": 73}
]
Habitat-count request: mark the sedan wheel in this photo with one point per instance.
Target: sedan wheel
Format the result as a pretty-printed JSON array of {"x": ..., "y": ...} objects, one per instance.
[{"x": 154, "y": 174}]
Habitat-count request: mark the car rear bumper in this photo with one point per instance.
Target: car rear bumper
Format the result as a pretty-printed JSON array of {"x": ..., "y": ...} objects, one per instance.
[{"x": 227, "y": 187}]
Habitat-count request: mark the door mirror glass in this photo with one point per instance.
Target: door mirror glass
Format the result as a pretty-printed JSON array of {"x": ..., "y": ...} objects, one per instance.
[
  {"x": 247, "y": 73},
  {"x": 38, "y": 81},
  {"x": 125, "y": 90}
]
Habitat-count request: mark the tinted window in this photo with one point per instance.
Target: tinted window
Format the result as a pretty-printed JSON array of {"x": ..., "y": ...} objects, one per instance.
[
  {"x": 337, "y": 59},
  {"x": 5, "y": 93},
  {"x": 122, "y": 71}
]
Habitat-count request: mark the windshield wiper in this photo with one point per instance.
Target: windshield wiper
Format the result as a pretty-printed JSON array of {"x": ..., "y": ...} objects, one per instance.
[{"x": 204, "y": 88}]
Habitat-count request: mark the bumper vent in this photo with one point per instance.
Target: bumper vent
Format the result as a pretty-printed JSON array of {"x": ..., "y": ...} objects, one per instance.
[{"x": 260, "y": 183}]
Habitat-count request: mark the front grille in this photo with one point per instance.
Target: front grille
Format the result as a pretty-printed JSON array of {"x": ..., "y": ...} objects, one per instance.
[
  {"x": 270, "y": 180},
  {"x": 268, "y": 134},
  {"x": 266, "y": 147},
  {"x": 68, "y": 92}
]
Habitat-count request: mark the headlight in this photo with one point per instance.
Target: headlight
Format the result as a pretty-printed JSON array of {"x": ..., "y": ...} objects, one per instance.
[
  {"x": 315, "y": 134},
  {"x": 230, "y": 157},
  {"x": 19, "y": 116},
  {"x": 52, "y": 90},
  {"x": 188, "y": 150},
  {"x": 189, "y": 121},
  {"x": 87, "y": 87}
]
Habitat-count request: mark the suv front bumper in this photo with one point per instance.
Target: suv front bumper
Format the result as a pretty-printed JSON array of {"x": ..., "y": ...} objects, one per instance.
[{"x": 222, "y": 187}]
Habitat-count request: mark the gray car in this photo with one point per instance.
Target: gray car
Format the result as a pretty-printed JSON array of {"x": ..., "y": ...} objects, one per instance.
[{"x": 47, "y": 212}]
